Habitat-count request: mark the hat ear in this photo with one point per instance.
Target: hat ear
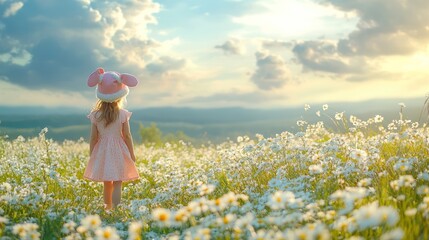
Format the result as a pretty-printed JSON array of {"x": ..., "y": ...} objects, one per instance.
[
  {"x": 129, "y": 80},
  {"x": 94, "y": 78}
]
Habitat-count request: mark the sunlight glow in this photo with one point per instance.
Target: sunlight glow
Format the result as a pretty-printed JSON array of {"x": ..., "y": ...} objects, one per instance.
[{"x": 295, "y": 18}]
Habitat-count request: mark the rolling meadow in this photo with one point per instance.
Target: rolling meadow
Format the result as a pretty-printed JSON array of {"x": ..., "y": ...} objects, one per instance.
[{"x": 359, "y": 179}]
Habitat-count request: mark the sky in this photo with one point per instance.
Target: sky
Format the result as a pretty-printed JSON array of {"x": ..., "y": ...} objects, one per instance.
[{"x": 209, "y": 54}]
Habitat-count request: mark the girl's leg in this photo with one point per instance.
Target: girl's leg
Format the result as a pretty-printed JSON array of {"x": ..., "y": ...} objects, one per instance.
[
  {"x": 117, "y": 188},
  {"x": 108, "y": 190}
]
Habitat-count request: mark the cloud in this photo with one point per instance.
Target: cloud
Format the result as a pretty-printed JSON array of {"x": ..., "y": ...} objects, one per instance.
[
  {"x": 165, "y": 65},
  {"x": 16, "y": 56},
  {"x": 271, "y": 71},
  {"x": 13, "y": 9},
  {"x": 48, "y": 47},
  {"x": 85, "y": 2},
  {"x": 138, "y": 51},
  {"x": 167, "y": 74},
  {"x": 323, "y": 56},
  {"x": 232, "y": 46},
  {"x": 385, "y": 27},
  {"x": 276, "y": 44}
]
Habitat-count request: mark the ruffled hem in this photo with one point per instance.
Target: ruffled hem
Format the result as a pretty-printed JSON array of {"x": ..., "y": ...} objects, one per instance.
[{"x": 104, "y": 180}]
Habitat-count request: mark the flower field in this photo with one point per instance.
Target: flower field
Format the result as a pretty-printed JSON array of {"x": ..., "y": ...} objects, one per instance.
[{"x": 363, "y": 179}]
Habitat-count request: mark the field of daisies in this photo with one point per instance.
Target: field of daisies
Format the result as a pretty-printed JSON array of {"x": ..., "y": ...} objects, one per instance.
[{"x": 360, "y": 179}]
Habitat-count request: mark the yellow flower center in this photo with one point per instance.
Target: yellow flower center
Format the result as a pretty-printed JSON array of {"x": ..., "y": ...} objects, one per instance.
[
  {"x": 106, "y": 234},
  {"x": 163, "y": 217}
]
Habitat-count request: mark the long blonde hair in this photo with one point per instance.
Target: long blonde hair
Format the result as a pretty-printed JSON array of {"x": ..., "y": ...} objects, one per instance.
[{"x": 108, "y": 111}]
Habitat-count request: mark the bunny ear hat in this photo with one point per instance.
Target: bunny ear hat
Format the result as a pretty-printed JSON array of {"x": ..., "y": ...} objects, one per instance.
[{"x": 111, "y": 86}]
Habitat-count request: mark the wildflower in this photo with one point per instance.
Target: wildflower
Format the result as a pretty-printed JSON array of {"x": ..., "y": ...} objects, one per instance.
[
  {"x": 344, "y": 224},
  {"x": 240, "y": 139},
  {"x": 198, "y": 206},
  {"x": 378, "y": 119},
  {"x": 259, "y": 136},
  {"x": 43, "y": 132},
  {"x": 402, "y": 166},
  {"x": 181, "y": 216},
  {"x": 275, "y": 147},
  {"x": 5, "y": 187},
  {"x": 371, "y": 215},
  {"x": 26, "y": 231},
  {"x": 199, "y": 233},
  {"x": 73, "y": 236},
  {"x": 410, "y": 212},
  {"x": 301, "y": 123},
  {"x": 349, "y": 196},
  {"x": 403, "y": 181},
  {"x": 330, "y": 214},
  {"x": 359, "y": 155},
  {"x": 388, "y": 215},
  {"x": 280, "y": 199},
  {"x": 107, "y": 233},
  {"x": 318, "y": 113},
  {"x": 424, "y": 176},
  {"x": 365, "y": 182},
  {"x": 301, "y": 234},
  {"x": 353, "y": 119},
  {"x": 395, "y": 234},
  {"x": 226, "y": 220},
  {"x": 81, "y": 229},
  {"x": 3, "y": 220},
  {"x": 244, "y": 221},
  {"x": 401, "y": 104},
  {"x": 68, "y": 227},
  {"x": 423, "y": 190},
  {"x": 219, "y": 204},
  {"x": 315, "y": 169},
  {"x": 231, "y": 198},
  {"x": 91, "y": 222},
  {"x": 306, "y": 107},
  {"x": 161, "y": 215},
  {"x": 339, "y": 116},
  {"x": 206, "y": 189},
  {"x": 325, "y": 107},
  {"x": 319, "y": 231},
  {"x": 134, "y": 230}
]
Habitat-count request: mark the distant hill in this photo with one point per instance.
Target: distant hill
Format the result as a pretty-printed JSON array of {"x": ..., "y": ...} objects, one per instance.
[{"x": 216, "y": 124}]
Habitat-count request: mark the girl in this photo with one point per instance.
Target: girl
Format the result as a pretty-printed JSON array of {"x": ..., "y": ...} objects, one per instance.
[{"x": 112, "y": 158}]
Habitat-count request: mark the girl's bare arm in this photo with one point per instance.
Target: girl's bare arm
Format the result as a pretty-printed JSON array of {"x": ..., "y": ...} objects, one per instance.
[
  {"x": 94, "y": 138},
  {"x": 128, "y": 138}
]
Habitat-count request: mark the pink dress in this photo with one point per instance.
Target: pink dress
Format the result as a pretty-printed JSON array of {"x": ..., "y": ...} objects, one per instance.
[{"x": 110, "y": 159}]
